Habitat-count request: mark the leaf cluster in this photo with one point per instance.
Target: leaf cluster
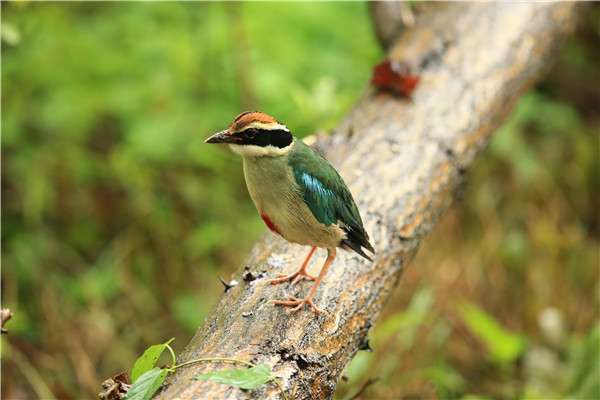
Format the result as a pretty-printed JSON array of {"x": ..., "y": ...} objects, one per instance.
[{"x": 147, "y": 378}]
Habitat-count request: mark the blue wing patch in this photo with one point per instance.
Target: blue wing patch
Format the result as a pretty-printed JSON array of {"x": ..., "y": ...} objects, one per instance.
[
  {"x": 314, "y": 185},
  {"x": 322, "y": 188},
  {"x": 322, "y": 201}
]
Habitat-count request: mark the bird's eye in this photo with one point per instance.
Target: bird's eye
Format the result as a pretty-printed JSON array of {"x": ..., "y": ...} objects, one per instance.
[{"x": 250, "y": 133}]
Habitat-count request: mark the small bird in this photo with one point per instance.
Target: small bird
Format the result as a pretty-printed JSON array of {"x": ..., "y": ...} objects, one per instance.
[{"x": 298, "y": 194}]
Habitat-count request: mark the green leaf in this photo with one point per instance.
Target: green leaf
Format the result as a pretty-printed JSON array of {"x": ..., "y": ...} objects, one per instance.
[
  {"x": 250, "y": 378},
  {"x": 147, "y": 384},
  {"x": 146, "y": 362},
  {"x": 584, "y": 371},
  {"x": 504, "y": 346}
]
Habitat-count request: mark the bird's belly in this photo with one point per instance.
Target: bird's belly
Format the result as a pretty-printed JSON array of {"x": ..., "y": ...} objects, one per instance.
[
  {"x": 300, "y": 226},
  {"x": 279, "y": 202}
]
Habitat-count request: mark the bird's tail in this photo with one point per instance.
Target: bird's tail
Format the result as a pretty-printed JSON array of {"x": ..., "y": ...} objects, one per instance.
[{"x": 356, "y": 241}]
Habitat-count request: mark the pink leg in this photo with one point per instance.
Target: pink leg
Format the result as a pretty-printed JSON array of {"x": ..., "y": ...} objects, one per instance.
[
  {"x": 298, "y": 303},
  {"x": 298, "y": 274}
]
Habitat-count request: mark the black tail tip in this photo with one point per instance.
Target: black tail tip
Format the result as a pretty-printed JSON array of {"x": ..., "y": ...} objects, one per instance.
[{"x": 357, "y": 248}]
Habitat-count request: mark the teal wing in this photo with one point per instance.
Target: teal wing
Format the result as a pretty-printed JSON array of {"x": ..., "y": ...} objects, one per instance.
[{"x": 327, "y": 196}]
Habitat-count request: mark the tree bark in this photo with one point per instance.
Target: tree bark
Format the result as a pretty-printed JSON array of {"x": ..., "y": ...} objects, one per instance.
[{"x": 403, "y": 159}]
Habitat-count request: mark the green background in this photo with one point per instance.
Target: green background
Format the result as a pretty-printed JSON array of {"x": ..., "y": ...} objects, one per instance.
[{"x": 117, "y": 219}]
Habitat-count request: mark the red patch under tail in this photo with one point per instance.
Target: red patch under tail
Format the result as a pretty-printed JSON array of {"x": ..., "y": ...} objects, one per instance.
[{"x": 270, "y": 224}]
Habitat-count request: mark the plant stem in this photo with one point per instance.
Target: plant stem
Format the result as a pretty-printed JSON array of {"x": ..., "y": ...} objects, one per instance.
[
  {"x": 279, "y": 386},
  {"x": 172, "y": 355},
  {"x": 213, "y": 359},
  {"x": 230, "y": 360}
]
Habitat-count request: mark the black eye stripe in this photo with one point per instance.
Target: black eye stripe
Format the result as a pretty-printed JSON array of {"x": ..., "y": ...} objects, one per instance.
[
  {"x": 280, "y": 138},
  {"x": 250, "y": 133},
  {"x": 264, "y": 137}
]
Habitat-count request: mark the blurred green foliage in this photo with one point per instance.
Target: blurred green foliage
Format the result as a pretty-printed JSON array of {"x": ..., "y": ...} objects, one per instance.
[
  {"x": 115, "y": 214},
  {"x": 117, "y": 220},
  {"x": 503, "y": 347}
]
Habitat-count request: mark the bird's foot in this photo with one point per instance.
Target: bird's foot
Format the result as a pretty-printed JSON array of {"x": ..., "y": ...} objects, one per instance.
[
  {"x": 298, "y": 303},
  {"x": 298, "y": 275}
]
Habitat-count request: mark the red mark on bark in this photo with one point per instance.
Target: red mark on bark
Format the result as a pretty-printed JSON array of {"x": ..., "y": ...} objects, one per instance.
[
  {"x": 270, "y": 224},
  {"x": 394, "y": 77}
]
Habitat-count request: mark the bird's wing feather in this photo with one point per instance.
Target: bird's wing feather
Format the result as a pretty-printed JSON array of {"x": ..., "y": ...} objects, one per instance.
[
  {"x": 327, "y": 195},
  {"x": 328, "y": 206},
  {"x": 324, "y": 191}
]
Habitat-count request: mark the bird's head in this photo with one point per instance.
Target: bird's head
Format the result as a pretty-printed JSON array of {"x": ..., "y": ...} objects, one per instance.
[{"x": 255, "y": 134}]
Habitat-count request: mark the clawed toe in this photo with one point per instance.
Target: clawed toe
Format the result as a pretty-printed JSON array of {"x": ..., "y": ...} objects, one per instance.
[
  {"x": 284, "y": 278},
  {"x": 298, "y": 303},
  {"x": 296, "y": 276}
]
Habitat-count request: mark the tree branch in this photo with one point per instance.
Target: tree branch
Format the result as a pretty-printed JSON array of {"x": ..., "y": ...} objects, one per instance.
[{"x": 403, "y": 160}]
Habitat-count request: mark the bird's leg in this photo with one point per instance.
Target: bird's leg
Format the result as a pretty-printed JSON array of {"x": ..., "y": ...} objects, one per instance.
[
  {"x": 298, "y": 303},
  {"x": 298, "y": 274}
]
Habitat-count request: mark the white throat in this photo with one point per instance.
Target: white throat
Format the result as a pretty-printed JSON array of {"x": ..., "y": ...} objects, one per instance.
[{"x": 251, "y": 150}]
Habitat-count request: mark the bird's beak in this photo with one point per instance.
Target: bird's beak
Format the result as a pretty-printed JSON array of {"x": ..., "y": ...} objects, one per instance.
[{"x": 221, "y": 137}]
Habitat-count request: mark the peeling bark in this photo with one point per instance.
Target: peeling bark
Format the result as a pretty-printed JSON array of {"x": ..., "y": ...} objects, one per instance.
[{"x": 403, "y": 160}]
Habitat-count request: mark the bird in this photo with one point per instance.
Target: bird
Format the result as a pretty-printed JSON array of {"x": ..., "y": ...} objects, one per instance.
[{"x": 298, "y": 194}]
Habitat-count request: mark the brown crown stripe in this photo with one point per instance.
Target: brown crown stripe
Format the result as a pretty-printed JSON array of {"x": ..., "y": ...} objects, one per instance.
[{"x": 249, "y": 117}]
